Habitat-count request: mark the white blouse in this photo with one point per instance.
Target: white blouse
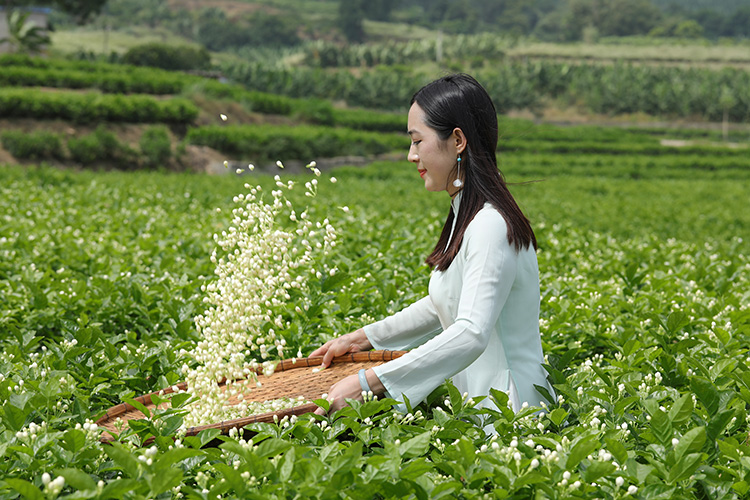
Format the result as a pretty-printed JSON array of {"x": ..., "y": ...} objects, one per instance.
[{"x": 479, "y": 325}]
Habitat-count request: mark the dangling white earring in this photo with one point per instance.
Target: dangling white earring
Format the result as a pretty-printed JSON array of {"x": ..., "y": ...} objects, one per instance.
[{"x": 458, "y": 182}]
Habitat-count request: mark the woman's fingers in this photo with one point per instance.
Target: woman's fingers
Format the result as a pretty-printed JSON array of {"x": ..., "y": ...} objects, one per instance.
[
  {"x": 320, "y": 351},
  {"x": 351, "y": 342},
  {"x": 339, "y": 347}
]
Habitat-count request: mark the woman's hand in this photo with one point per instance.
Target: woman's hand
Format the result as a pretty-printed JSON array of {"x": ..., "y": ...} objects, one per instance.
[
  {"x": 350, "y": 388},
  {"x": 355, "y": 341},
  {"x": 346, "y": 388}
]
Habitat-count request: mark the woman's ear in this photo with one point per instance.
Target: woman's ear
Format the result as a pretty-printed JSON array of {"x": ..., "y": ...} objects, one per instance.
[{"x": 459, "y": 139}]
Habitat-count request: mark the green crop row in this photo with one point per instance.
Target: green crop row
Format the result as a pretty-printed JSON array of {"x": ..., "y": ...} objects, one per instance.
[
  {"x": 300, "y": 143},
  {"x": 26, "y": 71},
  {"x": 644, "y": 320},
  {"x": 94, "y": 107},
  {"x": 614, "y": 89},
  {"x": 142, "y": 81},
  {"x": 100, "y": 147},
  {"x": 460, "y": 47}
]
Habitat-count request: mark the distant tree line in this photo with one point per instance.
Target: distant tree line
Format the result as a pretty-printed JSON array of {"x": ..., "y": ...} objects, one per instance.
[
  {"x": 79, "y": 11},
  {"x": 549, "y": 20},
  {"x": 209, "y": 26},
  {"x": 556, "y": 20}
]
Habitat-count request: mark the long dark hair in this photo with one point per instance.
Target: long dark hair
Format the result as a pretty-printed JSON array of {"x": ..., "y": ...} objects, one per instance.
[{"x": 459, "y": 101}]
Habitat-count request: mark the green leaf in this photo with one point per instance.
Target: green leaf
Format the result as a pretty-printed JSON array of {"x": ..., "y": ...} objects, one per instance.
[
  {"x": 272, "y": 447},
  {"x": 163, "y": 480},
  {"x": 706, "y": 393},
  {"x": 74, "y": 440},
  {"x": 178, "y": 400},
  {"x": 682, "y": 409},
  {"x": 175, "y": 455},
  {"x": 531, "y": 477},
  {"x": 692, "y": 441},
  {"x": 581, "y": 448},
  {"x": 14, "y": 417},
  {"x": 78, "y": 479},
  {"x": 558, "y": 416},
  {"x": 139, "y": 406},
  {"x": 624, "y": 403},
  {"x": 597, "y": 469},
  {"x": 286, "y": 466},
  {"x": 684, "y": 468},
  {"x": 416, "y": 468},
  {"x": 661, "y": 427},
  {"x": 617, "y": 449},
  {"x": 457, "y": 401},
  {"x": 718, "y": 423},
  {"x": 123, "y": 458},
  {"x": 20, "y": 400},
  {"x": 347, "y": 460},
  {"x": 119, "y": 487},
  {"x": 728, "y": 450},
  {"x": 676, "y": 321},
  {"x": 416, "y": 446},
  {"x": 499, "y": 397},
  {"x": 207, "y": 435},
  {"x": 335, "y": 281},
  {"x": 25, "y": 488}
]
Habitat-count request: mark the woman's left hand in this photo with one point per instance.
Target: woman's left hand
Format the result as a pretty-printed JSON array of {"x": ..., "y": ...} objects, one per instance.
[{"x": 346, "y": 388}]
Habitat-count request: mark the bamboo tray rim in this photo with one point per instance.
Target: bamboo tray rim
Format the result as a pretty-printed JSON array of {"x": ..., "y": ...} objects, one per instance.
[{"x": 225, "y": 426}]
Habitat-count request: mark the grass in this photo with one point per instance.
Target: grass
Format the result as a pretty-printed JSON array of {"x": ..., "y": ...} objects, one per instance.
[
  {"x": 657, "y": 51},
  {"x": 96, "y": 40}
]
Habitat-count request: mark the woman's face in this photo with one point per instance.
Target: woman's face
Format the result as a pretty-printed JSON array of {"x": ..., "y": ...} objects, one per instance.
[{"x": 435, "y": 158}]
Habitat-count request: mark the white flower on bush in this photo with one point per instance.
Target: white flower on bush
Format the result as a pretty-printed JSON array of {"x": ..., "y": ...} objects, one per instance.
[{"x": 258, "y": 264}]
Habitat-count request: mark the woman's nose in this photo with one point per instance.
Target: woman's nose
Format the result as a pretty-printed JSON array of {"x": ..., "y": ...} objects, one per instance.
[{"x": 412, "y": 156}]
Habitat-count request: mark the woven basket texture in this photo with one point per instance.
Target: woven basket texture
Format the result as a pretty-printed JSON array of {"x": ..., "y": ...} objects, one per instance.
[{"x": 291, "y": 379}]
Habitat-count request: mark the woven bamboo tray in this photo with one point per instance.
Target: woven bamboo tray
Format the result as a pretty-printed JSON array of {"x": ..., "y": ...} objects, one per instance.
[{"x": 291, "y": 378}]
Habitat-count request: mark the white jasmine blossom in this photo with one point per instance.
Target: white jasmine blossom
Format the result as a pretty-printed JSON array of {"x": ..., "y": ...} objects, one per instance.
[{"x": 257, "y": 262}]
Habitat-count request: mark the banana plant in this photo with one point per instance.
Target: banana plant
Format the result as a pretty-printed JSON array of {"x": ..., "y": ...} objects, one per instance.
[{"x": 24, "y": 35}]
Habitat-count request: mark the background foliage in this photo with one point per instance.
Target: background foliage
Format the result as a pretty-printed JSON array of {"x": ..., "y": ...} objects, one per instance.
[{"x": 644, "y": 322}]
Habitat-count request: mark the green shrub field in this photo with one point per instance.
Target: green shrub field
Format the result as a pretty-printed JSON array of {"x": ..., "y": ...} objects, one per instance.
[
  {"x": 610, "y": 89},
  {"x": 94, "y": 107},
  {"x": 645, "y": 323},
  {"x": 273, "y": 142}
]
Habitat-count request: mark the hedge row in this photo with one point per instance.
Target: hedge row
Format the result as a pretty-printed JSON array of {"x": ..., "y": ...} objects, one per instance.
[
  {"x": 26, "y": 71},
  {"x": 100, "y": 146},
  {"x": 261, "y": 143},
  {"x": 142, "y": 81},
  {"x": 94, "y": 107},
  {"x": 619, "y": 88}
]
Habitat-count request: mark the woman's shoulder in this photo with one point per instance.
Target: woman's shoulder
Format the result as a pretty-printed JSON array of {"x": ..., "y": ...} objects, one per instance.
[{"x": 488, "y": 223}]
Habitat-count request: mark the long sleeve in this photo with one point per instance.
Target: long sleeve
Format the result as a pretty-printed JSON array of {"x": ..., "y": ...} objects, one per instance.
[
  {"x": 473, "y": 295},
  {"x": 407, "y": 328}
]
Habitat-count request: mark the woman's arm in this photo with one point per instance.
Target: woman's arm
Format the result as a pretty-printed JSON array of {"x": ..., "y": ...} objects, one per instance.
[
  {"x": 405, "y": 329},
  {"x": 489, "y": 270}
]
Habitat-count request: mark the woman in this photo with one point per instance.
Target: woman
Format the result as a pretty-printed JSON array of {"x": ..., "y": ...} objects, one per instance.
[{"x": 479, "y": 325}]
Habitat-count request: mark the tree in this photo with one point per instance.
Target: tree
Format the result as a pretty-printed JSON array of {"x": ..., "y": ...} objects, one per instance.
[
  {"x": 379, "y": 10},
  {"x": 25, "y": 36},
  {"x": 351, "y": 19},
  {"x": 268, "y": 29},
  {"x": 738, "y": 24},
  {"x": 81, "y": 10}
]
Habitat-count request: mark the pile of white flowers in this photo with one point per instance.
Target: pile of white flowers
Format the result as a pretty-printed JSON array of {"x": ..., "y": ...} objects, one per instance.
[{"x": 261, "y": 262}]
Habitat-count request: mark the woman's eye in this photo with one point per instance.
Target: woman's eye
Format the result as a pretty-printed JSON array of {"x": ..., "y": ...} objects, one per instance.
[{"x": 415, "y": 143}]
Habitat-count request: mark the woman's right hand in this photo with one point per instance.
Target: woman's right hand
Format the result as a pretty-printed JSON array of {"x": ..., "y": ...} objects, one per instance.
[{"x": 355, "y": 341}]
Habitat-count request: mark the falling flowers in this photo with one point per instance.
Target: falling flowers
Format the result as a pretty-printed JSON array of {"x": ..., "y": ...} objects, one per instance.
[{"x": 260, "y": 263}]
